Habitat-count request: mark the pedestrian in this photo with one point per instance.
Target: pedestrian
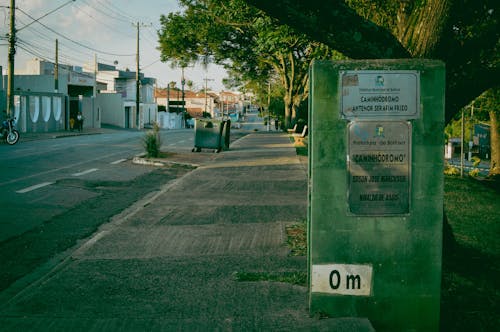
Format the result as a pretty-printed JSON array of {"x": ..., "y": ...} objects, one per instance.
[
  {"x": 276, "y": 123},
  {"x": 79, "y": 121}
]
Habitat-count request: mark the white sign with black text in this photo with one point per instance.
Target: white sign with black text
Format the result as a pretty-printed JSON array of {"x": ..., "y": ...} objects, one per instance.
[
  {"x": 342, "y": 279},
  {"x": 380, "y": 94}
]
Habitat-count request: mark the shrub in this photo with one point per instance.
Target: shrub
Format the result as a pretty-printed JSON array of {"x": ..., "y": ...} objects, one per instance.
[
  {"x": 152, "y": 142},
  {"x": 474, "y": 172},
  {"x": 451, "y": 170},
  {"x": 475, "y": 161}
]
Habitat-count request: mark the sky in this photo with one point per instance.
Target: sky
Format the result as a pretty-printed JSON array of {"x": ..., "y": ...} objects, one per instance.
[{"x": 102, "y": 28}]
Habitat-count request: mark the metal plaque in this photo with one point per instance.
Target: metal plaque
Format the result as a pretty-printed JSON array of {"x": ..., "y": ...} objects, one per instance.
[
  {"x": 372, "y": 94},
  {"x": 379, "y": 159}
]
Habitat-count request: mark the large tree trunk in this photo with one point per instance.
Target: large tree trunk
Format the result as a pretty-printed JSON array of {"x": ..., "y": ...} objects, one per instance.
[
  {"x": 495, "y": 143},
  {"x": 288, "y": 112},
  {"x": 421, "y": 30}
]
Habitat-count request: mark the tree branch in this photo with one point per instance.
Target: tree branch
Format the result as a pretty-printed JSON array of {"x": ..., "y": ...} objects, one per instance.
[{"x": 335, "y": 24}]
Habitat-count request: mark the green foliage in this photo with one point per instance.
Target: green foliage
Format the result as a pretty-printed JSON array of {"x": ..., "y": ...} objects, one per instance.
[
  {"x": 475, "y": 161},
  {"x": 474, "y": 172},
  {"x": 454, "y": 128},
  {"x": 253, "y": 47},
  {"x": 462, "y": 33},
  {"x": 451, "y": 170},
  {"x": 488, "y": 101}
]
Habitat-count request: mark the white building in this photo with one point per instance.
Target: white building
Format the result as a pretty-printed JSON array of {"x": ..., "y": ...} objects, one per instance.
[{"x": 122, "y": 112}]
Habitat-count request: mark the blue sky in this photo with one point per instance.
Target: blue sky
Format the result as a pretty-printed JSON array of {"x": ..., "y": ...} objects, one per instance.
[{"x": 102, "y": 27}]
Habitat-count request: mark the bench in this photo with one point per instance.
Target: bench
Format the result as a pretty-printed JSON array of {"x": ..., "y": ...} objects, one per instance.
[
  {"x": 301, "y": 135},
  {"x": 290, "y": 131}
]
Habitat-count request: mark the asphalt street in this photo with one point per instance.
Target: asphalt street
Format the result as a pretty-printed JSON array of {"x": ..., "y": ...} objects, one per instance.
[{"x": 38, "y": 177}]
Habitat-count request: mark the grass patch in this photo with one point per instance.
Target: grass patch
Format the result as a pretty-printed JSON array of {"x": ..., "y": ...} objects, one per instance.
[
  {"x": 470, "y": 289},
  {"x": 297, "y": 239},
  {"x": 295, "y": 278}
]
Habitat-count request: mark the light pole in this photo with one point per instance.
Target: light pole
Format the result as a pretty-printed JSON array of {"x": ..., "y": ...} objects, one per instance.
[
  {"x": 183, "y": 81},
  {"x": 268, "y": 103},
  {"x": 11, "y": 56}
]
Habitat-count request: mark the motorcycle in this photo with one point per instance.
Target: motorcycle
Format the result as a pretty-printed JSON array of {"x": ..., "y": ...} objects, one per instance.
[{"x": 8, "y": 131}]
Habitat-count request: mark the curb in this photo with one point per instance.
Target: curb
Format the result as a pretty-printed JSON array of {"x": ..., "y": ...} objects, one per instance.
[{"x": 141, "y": 160}]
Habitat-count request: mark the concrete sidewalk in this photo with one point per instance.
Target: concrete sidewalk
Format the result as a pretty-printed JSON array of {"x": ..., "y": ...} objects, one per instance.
[{"x": 170, "y": 261}]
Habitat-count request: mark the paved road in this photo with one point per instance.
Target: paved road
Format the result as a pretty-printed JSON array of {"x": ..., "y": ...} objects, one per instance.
[{"x": 40, "y": 179}]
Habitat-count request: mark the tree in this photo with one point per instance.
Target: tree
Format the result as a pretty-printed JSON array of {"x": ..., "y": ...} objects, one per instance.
[
  {"x": 462, "y": 33},
  {"x": 251, "y": 45},
  {"x": 489, "y": 102}
]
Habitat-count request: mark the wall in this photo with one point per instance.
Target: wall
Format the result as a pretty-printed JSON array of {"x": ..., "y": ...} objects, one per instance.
[
  {"x": 40, "y": 112},
  {"x": 39, "y": 83},
  {"x": 149, "y": 113},
  {"x": 168, "y": 120},
  {"x": 111, "y": 109},
  {"x": 91, "y": 116}
]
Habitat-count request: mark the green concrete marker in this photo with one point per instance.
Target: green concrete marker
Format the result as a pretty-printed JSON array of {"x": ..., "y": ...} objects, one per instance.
[{"x": 376, "y": 191}]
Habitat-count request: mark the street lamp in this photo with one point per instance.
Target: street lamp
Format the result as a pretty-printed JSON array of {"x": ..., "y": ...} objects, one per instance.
[{"x": 268, "y": 103}]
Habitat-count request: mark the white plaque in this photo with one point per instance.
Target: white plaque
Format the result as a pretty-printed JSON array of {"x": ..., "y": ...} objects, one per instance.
[
  {"x": 342, "y": 279},
  {"x": 380, "y": 94}
]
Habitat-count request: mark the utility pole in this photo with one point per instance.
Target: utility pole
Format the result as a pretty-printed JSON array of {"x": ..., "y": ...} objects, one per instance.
[
  {"x": 137, "y": 74},
  {"x": 183, "y": 81},
  {"x": 206, "y": 100},
  {"x": 56, "y": 69},
  {"x": 95, "y": 74},
  {"x": 11, "y": 56},
  {"x": 168, "y": 97},
  {"x": 137, "y": 80}
]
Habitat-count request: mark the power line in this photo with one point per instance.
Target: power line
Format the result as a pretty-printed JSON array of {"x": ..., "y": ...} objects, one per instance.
[
  {"x": 107, "y": 14},
  {"x": 102, "y": 23},
  {"x": 38, "y": 19},
  {"x": 73, "y": 41},
  {"x": 118, "y": 11}
]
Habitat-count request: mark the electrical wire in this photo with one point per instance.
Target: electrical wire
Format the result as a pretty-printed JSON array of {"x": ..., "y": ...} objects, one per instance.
[
  {"x": 80, "y": 8},
  {"x": 73, "y": 41},
  {"x": 97, "y": 9},
  {"x": 38, "y": 19}
]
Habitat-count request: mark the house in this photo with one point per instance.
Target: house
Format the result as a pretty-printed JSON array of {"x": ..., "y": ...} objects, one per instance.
[
  {"x": 230, "y": 103},
  {"x": 116, "y": 97},
  {"x": 194, "y": 103}
]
